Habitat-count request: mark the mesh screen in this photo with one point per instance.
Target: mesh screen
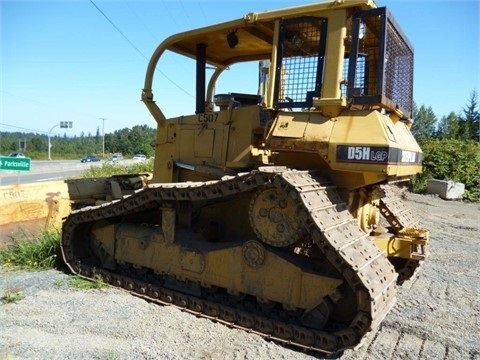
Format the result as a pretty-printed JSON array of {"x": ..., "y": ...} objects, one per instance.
[
  {"x": 369, "y": 45},
  {"x": 360, "y": 82},
  {"x": 300, "y": 78},
  {"x": 398, "y": 70},
  {"x": 383, "y": 64}
]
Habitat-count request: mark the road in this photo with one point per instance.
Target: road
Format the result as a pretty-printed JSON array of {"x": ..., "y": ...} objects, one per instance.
[{"x": 45, "y": 171}]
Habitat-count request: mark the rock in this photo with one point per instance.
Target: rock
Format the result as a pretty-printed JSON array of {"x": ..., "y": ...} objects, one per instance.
[{"x": 446, "y": 189}]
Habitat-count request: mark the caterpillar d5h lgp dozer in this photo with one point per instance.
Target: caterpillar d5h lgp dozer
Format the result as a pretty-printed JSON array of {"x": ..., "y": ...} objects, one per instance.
[{"x": 274, "y": 212}]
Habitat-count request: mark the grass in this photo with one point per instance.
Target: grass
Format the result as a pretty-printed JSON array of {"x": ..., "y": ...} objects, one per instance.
[
  {"x": 33, "y": 254},
  {"x": 81, "y": 283},
  {"x": 110, "y": 169},
  {"x": 112, "y": 356},
  {"x": 12, "y": 295},
  {"x": 41, "y": 254}
]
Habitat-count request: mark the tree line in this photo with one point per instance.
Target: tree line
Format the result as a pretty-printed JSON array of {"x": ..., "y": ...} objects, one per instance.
[
  {"x": 127, "y": 141},
  {"x": 461, "y": 126},
  {"x": 451, "y": 147}
]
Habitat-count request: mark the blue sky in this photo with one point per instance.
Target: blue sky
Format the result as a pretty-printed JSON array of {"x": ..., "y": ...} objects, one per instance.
[{"x": 64, "y": 61}]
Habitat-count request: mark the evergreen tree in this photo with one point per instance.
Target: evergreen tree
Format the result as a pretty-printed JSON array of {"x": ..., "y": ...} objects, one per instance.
[
  {"x": 449, "y": 127},
  {"x": 469, "y": 120},
  {"x": 37, "y": 144},
  {"x": 139, "y": 139},
  {"x": 424, "y": 122}
]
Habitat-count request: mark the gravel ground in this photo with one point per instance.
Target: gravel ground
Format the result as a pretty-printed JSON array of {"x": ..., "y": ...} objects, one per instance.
[{"x": 437, "y": 315}]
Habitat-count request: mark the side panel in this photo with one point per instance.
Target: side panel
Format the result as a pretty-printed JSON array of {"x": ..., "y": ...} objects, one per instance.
[
  {"x": 297, "y": 131},
  {"x": 218, "y": 140},
  {"x": 355, "y": 149},
  {"x": 369, "y": 142}
]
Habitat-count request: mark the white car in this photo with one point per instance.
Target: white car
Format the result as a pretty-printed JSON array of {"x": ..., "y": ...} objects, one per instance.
[
  {"x": 115, "y": 158},
  {"x": 16, "y": 155},
  {"x": 140, "y": 157}
]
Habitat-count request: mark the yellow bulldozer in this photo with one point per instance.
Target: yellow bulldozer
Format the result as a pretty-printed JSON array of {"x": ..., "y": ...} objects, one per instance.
[{"x": 277, "y": 211}]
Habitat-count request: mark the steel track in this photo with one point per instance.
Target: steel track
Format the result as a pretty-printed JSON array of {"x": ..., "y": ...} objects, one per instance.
[{"x": 332, "y": 229}]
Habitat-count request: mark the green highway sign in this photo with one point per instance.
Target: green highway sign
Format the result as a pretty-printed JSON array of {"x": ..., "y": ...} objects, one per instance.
[{"x": 11, "y": 163}]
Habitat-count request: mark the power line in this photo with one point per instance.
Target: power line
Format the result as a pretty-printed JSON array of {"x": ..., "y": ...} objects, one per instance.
[
  {"x": 186, "y": 13},
  {"x": 119, "y": 31},
  {"x": 22, "y": 128},
  {"x": 147, "y": 29},
  {"x": 27, "y": 130},
  {"x": 138, "y": 50}
]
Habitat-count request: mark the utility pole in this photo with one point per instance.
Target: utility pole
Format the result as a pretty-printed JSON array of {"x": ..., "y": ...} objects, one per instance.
[{"x": 103, "y": 136}]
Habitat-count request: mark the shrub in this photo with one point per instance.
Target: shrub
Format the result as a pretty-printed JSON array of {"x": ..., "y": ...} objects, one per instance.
[{"x": 454, "y": 160}]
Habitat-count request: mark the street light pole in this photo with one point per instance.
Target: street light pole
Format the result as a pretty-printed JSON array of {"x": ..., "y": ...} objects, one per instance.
[
  {"x": 103, "y": 136},
  {"x": 63, "y": 125},
  {"x": 49, "y": 143}
]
